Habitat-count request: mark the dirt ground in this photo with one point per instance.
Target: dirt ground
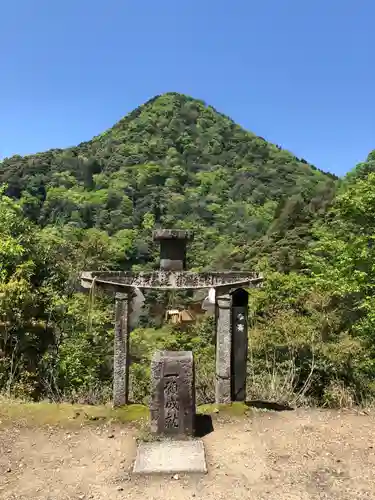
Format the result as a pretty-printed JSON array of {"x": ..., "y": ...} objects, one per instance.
[{"x": 299, "y": 455}]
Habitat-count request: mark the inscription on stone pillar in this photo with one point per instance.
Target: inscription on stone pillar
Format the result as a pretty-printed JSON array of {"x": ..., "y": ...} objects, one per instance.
[
  {"x": 172, "y": 404},
  {"x": 239, "y": 344}
]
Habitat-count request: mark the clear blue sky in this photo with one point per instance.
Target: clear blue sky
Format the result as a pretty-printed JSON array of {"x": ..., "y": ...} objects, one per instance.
[{"x": 300, "y": 73}]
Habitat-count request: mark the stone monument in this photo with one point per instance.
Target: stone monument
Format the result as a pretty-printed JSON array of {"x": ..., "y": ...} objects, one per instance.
[
  {"x": 230, "y": 311},
  {"x": 172, "y": 406},
  {"x": 172, "y": 400}
]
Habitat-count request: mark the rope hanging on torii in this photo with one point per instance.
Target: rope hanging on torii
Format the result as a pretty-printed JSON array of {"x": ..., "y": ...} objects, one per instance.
[{"x": 230, "y": 311}]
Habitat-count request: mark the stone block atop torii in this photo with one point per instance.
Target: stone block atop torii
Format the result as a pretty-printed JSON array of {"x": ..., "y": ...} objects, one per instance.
[{"x": 230, "y": 311}]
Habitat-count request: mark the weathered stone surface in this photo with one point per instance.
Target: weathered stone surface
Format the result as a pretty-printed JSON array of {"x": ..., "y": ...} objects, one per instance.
[
  {"x": 223, "y": 349},
  {"x": 239, "y": 344},
  {"x": 121, "y": 351},
  {"x": 170, "y": 457},
  {"x": 172, "y": 402},
  {"x": 170, "y": 280}
]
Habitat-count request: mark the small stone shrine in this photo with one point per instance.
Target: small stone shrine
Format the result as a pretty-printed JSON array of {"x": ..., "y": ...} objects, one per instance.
[{"x": 231, "y": 301}]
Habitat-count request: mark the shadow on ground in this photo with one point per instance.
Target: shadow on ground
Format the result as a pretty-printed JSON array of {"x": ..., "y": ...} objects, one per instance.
[
  {"x": 268, "y": 405},
  {"x": 203, "y": 425}
]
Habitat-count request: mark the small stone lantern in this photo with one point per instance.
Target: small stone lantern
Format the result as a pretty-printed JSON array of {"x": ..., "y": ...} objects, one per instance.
[{"x": 172, "y": 248}]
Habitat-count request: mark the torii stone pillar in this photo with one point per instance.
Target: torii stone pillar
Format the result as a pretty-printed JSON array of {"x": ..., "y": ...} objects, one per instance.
[
  {"x": 231, "y": 346},
  {"x": 121, "y": 351},
  {"x": 223, "y": 349}
]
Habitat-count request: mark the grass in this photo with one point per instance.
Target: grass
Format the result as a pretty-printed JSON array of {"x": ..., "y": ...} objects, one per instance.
[
  {"x": 38, "y": 414},
  {"x": 44, "y": 413}
]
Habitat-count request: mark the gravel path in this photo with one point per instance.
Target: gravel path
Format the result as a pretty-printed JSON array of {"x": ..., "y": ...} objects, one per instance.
[{"x": 298, "y": 455}]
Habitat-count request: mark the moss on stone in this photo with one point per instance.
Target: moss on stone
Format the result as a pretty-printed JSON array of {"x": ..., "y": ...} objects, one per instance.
[{"x": 235, "y": 409}]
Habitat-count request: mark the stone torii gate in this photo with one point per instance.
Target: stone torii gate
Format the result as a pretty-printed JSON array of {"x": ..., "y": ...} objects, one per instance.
[{"x": 231, "y": 306}]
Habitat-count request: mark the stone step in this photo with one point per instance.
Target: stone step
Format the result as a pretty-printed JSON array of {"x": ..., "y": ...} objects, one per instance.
[{"x": 171, "y": 457}]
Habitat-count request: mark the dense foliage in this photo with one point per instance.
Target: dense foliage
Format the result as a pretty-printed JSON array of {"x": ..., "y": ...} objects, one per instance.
[{"x": 175, "y": 162}]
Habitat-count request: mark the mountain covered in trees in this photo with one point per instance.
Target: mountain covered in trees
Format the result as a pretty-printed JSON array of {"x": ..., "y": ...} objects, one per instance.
[{"x": 176, "y": 162}]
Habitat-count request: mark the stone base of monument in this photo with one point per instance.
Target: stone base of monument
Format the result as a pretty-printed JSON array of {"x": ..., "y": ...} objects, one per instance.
[{"x": 171, "y": 457}]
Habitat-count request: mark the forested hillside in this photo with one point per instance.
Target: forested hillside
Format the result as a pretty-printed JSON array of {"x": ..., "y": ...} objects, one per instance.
[{"x": 176, "y": 162}]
